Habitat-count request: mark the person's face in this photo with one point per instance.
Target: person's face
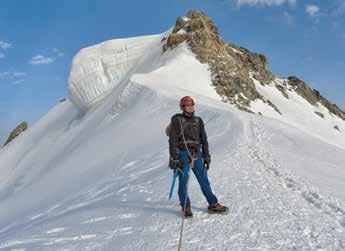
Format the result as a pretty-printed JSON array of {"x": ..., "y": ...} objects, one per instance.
[{"x": 189, "y": 108}]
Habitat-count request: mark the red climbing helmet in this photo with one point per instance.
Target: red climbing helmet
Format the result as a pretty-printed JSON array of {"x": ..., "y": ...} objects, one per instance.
[{"x": 187, "y": 100}]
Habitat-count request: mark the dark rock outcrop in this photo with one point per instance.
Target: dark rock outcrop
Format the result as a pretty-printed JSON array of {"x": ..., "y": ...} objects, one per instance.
[
  {"x": 231, "y": 66},
  {"x": 16, "y": 132},
  {"x": 314, "y": 96},
  {"x": 320, "y": 114}
]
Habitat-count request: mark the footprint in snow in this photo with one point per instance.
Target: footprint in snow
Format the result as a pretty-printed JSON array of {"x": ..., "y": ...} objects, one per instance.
[
  {"x": 129, "y": 164},
  {"x": 55, "y": 230},
  {"x": 94, "y": 220},
  {"x": 127, "y": 216}
]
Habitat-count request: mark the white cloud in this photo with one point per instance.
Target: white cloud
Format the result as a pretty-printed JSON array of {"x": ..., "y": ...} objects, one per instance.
[
  {"x": 4, "y": 74},
  {"x": 265, "y": 2},
  {"x": 2, "y": 55},
  {"x": 19, "y": 74},
  {"x": 4, "y": 45},
  {"x": 18, "y": 81},
  {"x": 312, "y": 10},
  {"x": 40, "y": 59},
  {"x": 58, "y": 52},
  {"x": 12, "y": 75}
]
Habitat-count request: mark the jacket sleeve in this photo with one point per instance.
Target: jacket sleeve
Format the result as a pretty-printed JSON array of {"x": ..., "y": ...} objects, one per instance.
[
  {"x": 174, "y": 138},
  {"x": 203, "y": 139}
]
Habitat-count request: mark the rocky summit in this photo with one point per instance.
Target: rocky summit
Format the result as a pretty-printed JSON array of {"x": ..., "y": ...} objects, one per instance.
[{"x": 235, "y": 68}]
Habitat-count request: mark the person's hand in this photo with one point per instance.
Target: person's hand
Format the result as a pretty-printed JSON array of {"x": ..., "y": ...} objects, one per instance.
[
  {"x": 207, "y": 162},
  {"x": 174, "y": 164}
]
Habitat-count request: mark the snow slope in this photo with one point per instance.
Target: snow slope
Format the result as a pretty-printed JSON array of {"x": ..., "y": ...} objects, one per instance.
[
  {"x": 297, "y": 112},
  {"x": 99, "y": 180}
]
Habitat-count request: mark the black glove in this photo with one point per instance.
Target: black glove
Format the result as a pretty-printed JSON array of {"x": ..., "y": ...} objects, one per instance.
[
  {"x": 207, "y": 157},
  {"x": 207, "y": 162},
  {"x": 174, "y": 164}
]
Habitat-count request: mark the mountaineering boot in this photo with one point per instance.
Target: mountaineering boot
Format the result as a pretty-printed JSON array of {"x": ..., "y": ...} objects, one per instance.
[
  {"x": 187, "y": 212},
  {"x": 217, "y": 209}
]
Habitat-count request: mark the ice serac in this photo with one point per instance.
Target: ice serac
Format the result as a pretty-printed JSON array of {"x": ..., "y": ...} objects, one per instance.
[{"x": 97, "y": 69}]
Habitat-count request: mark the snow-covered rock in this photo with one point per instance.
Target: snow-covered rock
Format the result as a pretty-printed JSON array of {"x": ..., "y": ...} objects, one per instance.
[{"x": 297, "y": 111}]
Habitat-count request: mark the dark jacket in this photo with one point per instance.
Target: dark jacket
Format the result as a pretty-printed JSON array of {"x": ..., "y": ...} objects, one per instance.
[{"x": 193, "y": 131}]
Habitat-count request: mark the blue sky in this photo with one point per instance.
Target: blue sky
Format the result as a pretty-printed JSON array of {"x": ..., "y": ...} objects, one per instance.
[{"x": 38, "y": 40}]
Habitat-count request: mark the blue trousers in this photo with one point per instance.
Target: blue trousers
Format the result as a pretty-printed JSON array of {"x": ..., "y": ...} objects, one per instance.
[{"x": 201, "y": 175}]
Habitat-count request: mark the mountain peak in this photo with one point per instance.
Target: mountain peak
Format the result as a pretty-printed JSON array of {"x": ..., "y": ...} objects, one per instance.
[
  {"x": 231, "y": 66},
  {"x": 235, "y": 70}
]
